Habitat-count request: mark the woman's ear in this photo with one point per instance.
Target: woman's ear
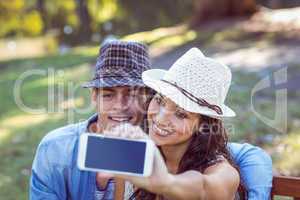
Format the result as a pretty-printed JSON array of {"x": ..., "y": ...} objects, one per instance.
[
  {"x": 144, "y": 99},
  {"x": 198, "y": 124}
]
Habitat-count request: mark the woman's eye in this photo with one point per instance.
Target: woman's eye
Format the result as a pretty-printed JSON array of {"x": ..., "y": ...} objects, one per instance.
[
  {"x": 181, "y": 115},
  {"x": 158, "y": 100}
]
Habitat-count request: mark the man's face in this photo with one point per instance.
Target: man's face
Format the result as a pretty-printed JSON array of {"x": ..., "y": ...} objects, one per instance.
[{"x": 116, "y": 105}]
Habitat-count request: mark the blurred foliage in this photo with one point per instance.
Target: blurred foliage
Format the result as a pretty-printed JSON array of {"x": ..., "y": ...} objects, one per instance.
[
  {"x": 35, "y": 17},
  {"x": 146, "y": 15},
  {"x": 99, "y": 18},
  {"x": 288, "y": 148},
  {"x": 11, "y": 14},
  {"x": 51, "y": 44},
  {"x": 32, "y": 23},
  {"x": 59, "y": 13},
  {"x": 102, "y": 10}
]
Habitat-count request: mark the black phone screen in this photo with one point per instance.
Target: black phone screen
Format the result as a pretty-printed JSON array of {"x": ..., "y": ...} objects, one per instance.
[{"x": 115, "y": 154}]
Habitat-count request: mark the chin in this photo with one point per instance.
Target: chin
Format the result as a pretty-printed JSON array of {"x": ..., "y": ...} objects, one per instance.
[{"x": 158, "y": 141}]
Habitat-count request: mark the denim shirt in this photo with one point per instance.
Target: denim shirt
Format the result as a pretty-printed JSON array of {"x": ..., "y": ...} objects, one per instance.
[{"x": 55, "y": 174}]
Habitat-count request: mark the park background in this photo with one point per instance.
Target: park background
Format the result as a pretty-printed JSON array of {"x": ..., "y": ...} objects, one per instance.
[{"x": 59, "y": 41}]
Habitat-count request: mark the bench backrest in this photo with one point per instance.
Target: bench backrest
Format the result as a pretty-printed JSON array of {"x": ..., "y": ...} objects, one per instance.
[{"x": 286, "y": 186}]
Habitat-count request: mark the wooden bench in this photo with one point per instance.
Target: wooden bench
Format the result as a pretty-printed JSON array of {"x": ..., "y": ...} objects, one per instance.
[{"x": 286, "y": 186}]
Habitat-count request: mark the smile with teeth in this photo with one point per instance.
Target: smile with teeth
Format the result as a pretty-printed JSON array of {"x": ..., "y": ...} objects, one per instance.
[
  {"x": 120, "y": 118},
  {"x": 160, "y": 131}
]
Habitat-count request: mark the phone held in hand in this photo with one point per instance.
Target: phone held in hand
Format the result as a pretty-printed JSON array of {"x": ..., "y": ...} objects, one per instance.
[{"x": 115, "y": 155}]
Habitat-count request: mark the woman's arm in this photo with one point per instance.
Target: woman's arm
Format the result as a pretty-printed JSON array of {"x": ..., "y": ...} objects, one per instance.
[
  {"x": 120, "y": 189},
  {"x": 219, "y": 181}
]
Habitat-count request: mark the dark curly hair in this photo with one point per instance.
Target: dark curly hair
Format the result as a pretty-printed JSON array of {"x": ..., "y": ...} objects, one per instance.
[{"x": 206, "y": 147}]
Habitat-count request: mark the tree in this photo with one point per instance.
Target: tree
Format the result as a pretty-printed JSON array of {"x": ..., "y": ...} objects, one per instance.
[
  {"x": 18, "y": 18},
  {"x": 40, "y": 5},
  {"x": 84, "y": 32},
  {"x": 207, "y": 9}
]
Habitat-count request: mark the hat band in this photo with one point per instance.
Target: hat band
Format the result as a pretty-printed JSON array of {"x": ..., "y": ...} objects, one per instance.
[{"x": 199, "y": 101}]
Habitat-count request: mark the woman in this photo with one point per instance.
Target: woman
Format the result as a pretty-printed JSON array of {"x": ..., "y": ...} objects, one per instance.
[{"x": 184, "y": 119}]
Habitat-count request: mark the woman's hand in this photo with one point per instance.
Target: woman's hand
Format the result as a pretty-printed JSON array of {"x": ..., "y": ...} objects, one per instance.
[
  {"x": 160, "y": 179},
  {"x": 126, "y": 130}
]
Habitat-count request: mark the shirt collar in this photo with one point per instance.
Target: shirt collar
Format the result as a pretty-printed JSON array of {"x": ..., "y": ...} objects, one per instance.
[{"x": 91, "y": 120}]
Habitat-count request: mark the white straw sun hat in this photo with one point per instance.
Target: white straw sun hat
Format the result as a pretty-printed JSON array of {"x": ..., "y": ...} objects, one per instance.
[{"x": 195, "y": 83}]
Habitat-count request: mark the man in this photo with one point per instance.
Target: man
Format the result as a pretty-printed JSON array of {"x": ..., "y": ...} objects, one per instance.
[{"x": 119, "y": 96}]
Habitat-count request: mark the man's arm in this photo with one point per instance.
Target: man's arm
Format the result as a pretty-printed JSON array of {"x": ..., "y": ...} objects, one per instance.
[
  {"x": 45, "y": 183},
  {"x": 256, "y": 169}
]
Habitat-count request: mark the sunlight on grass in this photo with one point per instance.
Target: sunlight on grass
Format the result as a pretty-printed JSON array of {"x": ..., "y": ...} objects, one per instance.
[
  {"x": 80, "y": 72},
  {"x": 25, "y": 120},
  {"x": 4, "y": 133},
  {"x": 86, "y": 50},
  {"x": 283, "y": 198},
  {"x": 162, "y": 40},
  {"x": 176, "y": 40},
  {"x": 166, "y": 37},
  {"x": 27, "y": 47},
  {"x": 227, "y": 35},
  {"x": 156, "y": 34},
  {"x": 72, "y": 103},
  {"x": 5, "y": 180}
]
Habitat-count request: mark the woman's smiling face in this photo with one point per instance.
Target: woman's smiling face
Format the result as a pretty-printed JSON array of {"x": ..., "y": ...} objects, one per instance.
[{"x": 170, "y": 124}]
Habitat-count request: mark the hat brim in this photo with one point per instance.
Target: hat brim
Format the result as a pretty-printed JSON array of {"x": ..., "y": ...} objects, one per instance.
[
  {"x": 152, "y": 78},
  {"x": 114, "y": 82}
]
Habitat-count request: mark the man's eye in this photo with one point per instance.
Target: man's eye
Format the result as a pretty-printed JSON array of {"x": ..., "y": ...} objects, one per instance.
[
  {"x": 107, "y": 95},
  {"x": 133, "y": 94}
]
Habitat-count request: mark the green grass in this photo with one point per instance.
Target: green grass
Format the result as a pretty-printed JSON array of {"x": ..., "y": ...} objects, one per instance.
[{"x": 20, "y": 132}]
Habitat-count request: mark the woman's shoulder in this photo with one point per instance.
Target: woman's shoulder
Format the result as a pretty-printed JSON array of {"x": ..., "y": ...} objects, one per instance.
[{"x": 214, "y": 161}]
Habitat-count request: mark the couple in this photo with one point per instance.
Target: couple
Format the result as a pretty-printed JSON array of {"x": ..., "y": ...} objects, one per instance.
[{"x": 185, "y": 107}]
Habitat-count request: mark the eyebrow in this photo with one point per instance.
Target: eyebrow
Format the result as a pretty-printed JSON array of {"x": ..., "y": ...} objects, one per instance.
[
  {"x": 129, "y": 89},
  {"x": 176, "y": 106},
  {"x": 182, "y": 110},
  {"x": 161, "y": 96},
  {"x": 107, "y": 90}
]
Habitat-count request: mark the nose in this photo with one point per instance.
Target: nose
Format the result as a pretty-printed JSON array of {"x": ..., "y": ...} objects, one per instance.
[
  {"x": 163, "y": 117},
  {"x": 121, "y": 102}
]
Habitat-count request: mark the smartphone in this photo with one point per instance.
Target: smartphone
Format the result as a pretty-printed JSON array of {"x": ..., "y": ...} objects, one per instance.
[{"x": 115, "y": 155}]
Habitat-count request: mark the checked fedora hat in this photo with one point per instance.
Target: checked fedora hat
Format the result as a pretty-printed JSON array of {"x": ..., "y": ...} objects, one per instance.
[{"x": 120, "y": 63}]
